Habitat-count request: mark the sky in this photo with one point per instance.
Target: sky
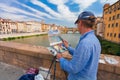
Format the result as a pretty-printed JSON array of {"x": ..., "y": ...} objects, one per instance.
[{"x": 59, "y": 12}]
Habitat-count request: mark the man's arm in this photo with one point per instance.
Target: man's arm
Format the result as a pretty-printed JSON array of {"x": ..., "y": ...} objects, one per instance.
[
  {"x": 71, "y": 50},
  {"x": 78, "y": 62}
]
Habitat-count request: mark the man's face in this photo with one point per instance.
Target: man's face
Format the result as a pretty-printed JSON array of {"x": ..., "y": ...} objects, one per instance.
[{"x": 79, "y": 26}]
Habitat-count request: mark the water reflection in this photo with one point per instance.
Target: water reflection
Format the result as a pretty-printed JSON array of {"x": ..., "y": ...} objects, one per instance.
[{"x": 43, "y": 40}]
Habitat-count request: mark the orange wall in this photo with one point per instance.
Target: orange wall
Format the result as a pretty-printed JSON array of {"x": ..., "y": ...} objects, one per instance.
[{"x": 115, "y": 29}]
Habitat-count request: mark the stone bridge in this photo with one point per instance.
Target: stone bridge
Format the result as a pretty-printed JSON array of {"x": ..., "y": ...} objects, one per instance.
[
  {"x": 66, "y": 30},
  {"x": 27, "y": 56}
]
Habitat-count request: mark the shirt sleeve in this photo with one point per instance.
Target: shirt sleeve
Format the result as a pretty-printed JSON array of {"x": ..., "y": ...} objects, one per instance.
[
  {"x": 78, "y": 61},
  {"x": 71, "y": 50}
]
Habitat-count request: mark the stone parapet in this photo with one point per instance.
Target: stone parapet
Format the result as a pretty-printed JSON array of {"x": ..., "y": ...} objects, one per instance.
[
  {"x": 110, "y": 68},
  {"x": 26, "y": 56}
]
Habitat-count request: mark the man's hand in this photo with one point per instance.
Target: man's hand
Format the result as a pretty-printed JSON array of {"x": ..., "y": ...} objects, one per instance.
[
  {"x": 66, "y": 43},
  {"x": 58, "y": 56}
]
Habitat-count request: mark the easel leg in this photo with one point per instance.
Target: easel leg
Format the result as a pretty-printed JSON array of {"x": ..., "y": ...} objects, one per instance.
[{"x": 54, "y": 59}]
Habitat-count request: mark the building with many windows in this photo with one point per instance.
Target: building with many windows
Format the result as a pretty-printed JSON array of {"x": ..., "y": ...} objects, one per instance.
[
  {"x": 111, "y": 18},
  {"x": 8, "y": 26},
  {"x": 100, "y": 27},
  {"x": 5, "y": 26},
  {"x": 21, "y": 27},
  {"x": 45, "y": 27},
  {"x": 13, "y": 26},
  {"x": 33, "y": 26}
]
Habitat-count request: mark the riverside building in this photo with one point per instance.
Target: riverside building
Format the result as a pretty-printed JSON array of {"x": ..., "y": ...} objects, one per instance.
[{"x": 111, "y": 18}]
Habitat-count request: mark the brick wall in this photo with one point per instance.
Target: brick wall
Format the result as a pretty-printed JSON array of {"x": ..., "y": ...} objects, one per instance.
[{"x": 26, "y": 56}]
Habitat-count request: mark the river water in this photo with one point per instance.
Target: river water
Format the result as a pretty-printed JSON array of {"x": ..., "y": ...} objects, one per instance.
[{"x": 43, "y": 40}]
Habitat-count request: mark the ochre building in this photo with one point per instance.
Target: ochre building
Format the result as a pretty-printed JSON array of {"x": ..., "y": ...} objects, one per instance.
[{"x": 111, "y": 16}]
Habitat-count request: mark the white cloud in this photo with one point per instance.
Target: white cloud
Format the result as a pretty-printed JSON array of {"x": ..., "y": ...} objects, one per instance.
[
  {"x": 83, "y": 4},
  {"x": 66, "y": 13},
  {"x": 16, "y": 17},
  {"x": 108, "y": 1},
  {"x": 12, "y": 16},
  {"x": 11, "y": 9},
  {"x": 49, "y": 10},
  {"x": 57, "y": 2},
  {"x": 37, "y": 12},
  {"x": 63, "y": 10}
]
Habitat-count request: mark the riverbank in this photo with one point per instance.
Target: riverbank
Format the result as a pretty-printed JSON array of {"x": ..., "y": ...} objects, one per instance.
[{"x": 19, "y": 35}]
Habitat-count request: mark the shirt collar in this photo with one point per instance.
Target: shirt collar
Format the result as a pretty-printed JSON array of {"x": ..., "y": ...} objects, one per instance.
[{"x": 85, "y": 34}]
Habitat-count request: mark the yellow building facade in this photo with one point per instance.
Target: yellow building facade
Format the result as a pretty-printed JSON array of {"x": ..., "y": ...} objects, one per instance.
[{"x": 111, "y": 18}]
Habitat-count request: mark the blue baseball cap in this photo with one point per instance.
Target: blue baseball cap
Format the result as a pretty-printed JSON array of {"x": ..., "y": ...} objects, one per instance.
[{"x": 85, "y": 16}]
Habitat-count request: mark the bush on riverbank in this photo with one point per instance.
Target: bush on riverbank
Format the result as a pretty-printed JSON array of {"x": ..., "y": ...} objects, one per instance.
[
  {"x": 21, "y": 37},
  {"x": 109, "y": 47},
  {"x": 9, "y": 38}
]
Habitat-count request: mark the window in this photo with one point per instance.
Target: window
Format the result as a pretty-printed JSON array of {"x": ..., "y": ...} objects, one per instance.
[
  {"x": 109, "y": 18},
  {"x": 116, "y": 24},
  {"x": 106, "y": 12},
  {"x": 118, "y": 15},
  {"x": 114, "y": 35},
  {"x": 119, "y": 7},
  {"x": 107, "y": 34},
  {"x": 112, "y": 25},
  {"x": 110, "y": 34},
  {"x": 110, "y": 9},
  {"x": 109, "y": 12},
  {"x": 119, "y": 35},
  {"x": 109, "y": 26},
  {"x": 113, "y": 17},
  {"x": 114, "y": 7}
]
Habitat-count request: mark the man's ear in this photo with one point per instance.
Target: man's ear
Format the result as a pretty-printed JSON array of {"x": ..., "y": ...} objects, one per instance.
[{"x": 80, "y": 23}]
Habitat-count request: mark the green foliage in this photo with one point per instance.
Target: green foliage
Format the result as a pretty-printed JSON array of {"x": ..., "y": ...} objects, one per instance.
[
  {"x": 118, "y": 53},
  {"x": 18, "y": 37},
  {"x": 109, "y": 47},
  {"x": 12, "y": 38},
  {"x": 22, "y": 36},
  {"x": 4, "y": 39},
  {"x": 41, "y": 34}
]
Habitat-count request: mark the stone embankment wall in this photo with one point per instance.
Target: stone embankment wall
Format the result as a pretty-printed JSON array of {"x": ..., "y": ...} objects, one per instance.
[{"x": 27, "y": 56}]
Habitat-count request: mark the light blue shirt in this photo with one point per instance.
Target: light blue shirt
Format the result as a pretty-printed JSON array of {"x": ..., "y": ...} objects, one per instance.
[{"x": 85, "y": 57}]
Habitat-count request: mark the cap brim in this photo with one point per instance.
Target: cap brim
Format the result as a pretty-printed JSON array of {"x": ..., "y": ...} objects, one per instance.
[{"x": 76, "y": 21}]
